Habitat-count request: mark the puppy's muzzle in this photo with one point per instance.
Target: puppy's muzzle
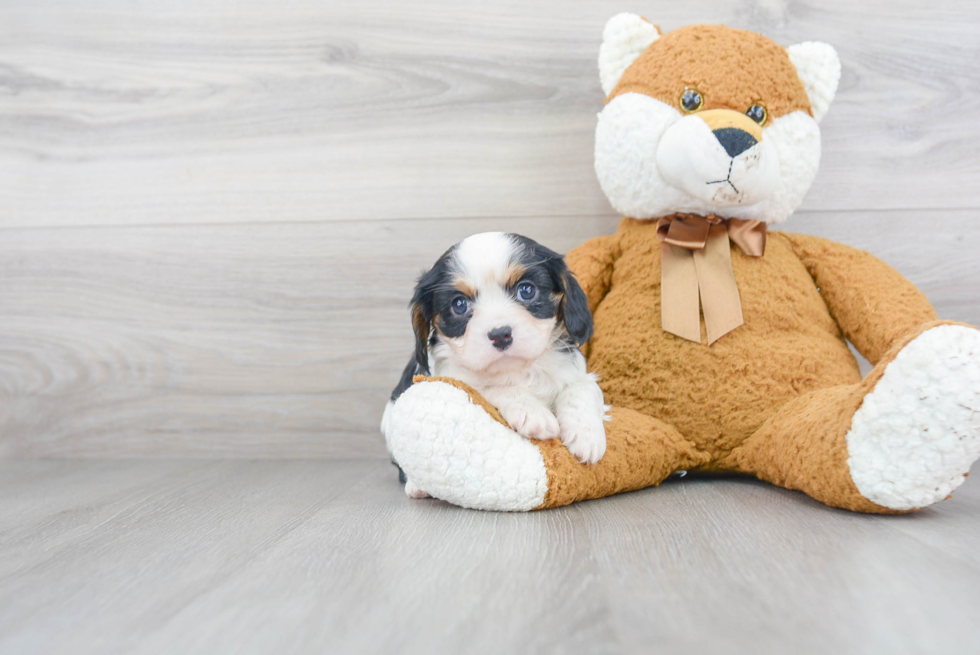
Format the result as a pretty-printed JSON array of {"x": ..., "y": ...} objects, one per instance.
[{"x": 501, "y": 337}]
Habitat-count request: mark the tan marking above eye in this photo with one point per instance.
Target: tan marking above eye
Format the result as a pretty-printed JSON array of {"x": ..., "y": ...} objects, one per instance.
[
  {"x": 464, "y": 287},
  {"x": 514, "y": 274}
]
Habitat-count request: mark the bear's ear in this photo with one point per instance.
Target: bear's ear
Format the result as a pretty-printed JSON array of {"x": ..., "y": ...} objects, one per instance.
[
  {"x": 624, "y": 38},
  {"x": 818, "y": 66}
]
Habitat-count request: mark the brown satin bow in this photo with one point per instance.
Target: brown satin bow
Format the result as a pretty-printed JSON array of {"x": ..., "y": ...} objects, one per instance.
[{"x": 697, "y": 261}]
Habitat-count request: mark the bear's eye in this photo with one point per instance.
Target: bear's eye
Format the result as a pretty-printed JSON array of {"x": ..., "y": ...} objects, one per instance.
[
  {"x": 691, "y": 100},
  {"x": 758, "y": 113}
]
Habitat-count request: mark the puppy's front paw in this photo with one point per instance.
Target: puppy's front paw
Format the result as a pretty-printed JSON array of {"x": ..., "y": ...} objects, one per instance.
[
  {"x": 584, "y": 434},
  {"x": 414, "y": 492},
  {"x": 533, "y": 421}
]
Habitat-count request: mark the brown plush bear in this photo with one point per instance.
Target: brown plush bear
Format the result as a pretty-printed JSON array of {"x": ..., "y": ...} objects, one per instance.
[{"x": 722, "y": 347}]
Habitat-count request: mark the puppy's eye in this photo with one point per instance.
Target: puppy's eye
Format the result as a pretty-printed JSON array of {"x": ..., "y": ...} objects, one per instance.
[
  {"x": 691, "y": 100},
  {"x": 460, "y": 306},
  {"x": 758, "y": 113},
  {"x": 526, "y": 291}
]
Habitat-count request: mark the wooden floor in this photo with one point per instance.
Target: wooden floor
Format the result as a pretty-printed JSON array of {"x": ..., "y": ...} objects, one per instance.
[{"x": 290, "y": 556}]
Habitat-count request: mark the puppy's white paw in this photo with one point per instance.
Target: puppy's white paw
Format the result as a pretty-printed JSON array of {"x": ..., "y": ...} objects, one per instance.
[
  {"x": 530, "y": 420},
  {"x": 414, "y": 492},
  {"x": 584, "y": 434}
]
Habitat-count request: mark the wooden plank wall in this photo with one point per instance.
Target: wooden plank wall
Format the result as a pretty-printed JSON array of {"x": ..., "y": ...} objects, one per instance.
[{"x": 211, "y": 213}]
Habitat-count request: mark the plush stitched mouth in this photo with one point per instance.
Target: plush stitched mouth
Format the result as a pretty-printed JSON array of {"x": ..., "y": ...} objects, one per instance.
[{"x": 728, "y": 178}]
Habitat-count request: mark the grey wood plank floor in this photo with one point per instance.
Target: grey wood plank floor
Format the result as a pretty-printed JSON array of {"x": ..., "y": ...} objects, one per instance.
[{"x": 290, "y": 556}]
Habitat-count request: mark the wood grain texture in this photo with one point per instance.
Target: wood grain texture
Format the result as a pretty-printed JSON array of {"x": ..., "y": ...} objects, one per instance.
[
  {"x": 248, "y": 340},
  {"x": 211, "y": 216},
  {"x": 283, "y": 340},
  {"x": 330, "y": 556},
  {"x": 217, "y": 112},
  {"x": 748, "y": 565}
]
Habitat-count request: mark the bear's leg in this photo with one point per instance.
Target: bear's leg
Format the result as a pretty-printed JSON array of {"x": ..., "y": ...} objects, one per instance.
[
  {"x": 902, "y": 439},
  {"x": 641, "y": 451},
  {"x": 455, "y": 446}
]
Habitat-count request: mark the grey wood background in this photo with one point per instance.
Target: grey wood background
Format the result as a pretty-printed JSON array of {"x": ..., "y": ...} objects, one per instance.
[{"x": 211, "y": 213}]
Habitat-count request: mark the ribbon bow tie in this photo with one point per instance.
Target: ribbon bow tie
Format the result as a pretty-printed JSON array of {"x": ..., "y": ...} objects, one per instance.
[{"x": 697, "y": 261}]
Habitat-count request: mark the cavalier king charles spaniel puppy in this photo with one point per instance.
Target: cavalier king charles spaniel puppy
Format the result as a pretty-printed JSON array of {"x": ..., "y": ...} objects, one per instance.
[{"x": 503, "y": 314}]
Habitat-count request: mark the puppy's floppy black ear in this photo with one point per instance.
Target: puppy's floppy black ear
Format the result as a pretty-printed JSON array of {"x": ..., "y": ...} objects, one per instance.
[
  {"x": 575, "y": 309},
  {"x": 423, "y": 312},
  {"x": 421, "y": 326}
]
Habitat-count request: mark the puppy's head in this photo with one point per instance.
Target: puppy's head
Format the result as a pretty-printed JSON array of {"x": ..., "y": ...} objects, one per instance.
[{"x": 498, "y": 302}]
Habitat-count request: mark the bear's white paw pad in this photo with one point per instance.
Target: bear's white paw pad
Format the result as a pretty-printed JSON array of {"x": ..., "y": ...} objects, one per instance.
[
  {"x": 584, "y": 435},
  {"x": 457, "y": 452},
  {"x": 917, "y": 433},
  {"x": 534, "y": 421},
  {"x": 413, "y": 491}
]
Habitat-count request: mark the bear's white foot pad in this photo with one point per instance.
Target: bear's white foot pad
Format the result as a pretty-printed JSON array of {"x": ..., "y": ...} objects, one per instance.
[
  {"x": 453, "y": 450},
  {"x": 917, "y": 433}
]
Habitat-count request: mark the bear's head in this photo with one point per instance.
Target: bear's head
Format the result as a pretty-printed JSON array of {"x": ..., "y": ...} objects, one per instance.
[{"x": 709, "y": 120}]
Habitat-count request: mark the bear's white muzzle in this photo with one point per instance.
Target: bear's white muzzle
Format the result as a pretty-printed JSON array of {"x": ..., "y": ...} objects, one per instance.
[{"x": 720, "y": 157}]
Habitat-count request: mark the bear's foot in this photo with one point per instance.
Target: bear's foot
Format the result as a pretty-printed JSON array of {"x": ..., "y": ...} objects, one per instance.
[
  {"x": 455, "y": 450},
  {"x": 917, "y": 433},
  {"x": 454, "y": 445}
]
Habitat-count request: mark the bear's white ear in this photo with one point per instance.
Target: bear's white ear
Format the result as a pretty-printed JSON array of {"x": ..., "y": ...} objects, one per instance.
[
  {"x": 624, "y": 38},
  {"x": 818, "y": 66}
]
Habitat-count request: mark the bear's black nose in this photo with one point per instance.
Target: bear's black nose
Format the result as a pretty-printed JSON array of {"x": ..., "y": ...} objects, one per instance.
[
  {"x": 501, "y": 337},
  {"x": 734, "y": 140}
]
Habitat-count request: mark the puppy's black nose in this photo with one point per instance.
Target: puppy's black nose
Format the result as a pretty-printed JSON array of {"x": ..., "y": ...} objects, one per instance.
[
  {"x": 734, "y": 140},
  {"x": 501, "y": 337}
]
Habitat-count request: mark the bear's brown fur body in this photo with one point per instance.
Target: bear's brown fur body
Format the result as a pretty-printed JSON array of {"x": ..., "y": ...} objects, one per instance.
[
  {"x": 772, "y": 398},
  {"x": 789, "y": 345}
]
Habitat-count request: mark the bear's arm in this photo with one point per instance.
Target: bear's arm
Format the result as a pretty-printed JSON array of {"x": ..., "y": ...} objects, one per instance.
[
  {"x": 873, "y": 304},
  {"x": 592, "y": 263}
]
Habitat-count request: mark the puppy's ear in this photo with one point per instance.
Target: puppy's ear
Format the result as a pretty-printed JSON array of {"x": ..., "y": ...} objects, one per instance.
[
  {"x": 423, "y": 312},
  {"x": 574, "y": 309},
  {"x": 421, "y": 326}
]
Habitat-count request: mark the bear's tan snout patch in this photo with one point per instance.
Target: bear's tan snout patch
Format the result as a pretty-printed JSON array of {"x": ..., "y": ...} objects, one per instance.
[
  {"x": 735, "y": 132},
  {"x": 720, "y": 119}
]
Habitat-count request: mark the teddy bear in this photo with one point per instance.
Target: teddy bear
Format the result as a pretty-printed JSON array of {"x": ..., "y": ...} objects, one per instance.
[{"x": 720, "y": 345}]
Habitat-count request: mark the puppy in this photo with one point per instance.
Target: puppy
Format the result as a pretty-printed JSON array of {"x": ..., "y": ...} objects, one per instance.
[{"x": 504, "y": 314}]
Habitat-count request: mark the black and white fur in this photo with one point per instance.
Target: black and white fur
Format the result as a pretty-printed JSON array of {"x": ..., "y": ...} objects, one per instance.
[{"x": 504, "y": 314}]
